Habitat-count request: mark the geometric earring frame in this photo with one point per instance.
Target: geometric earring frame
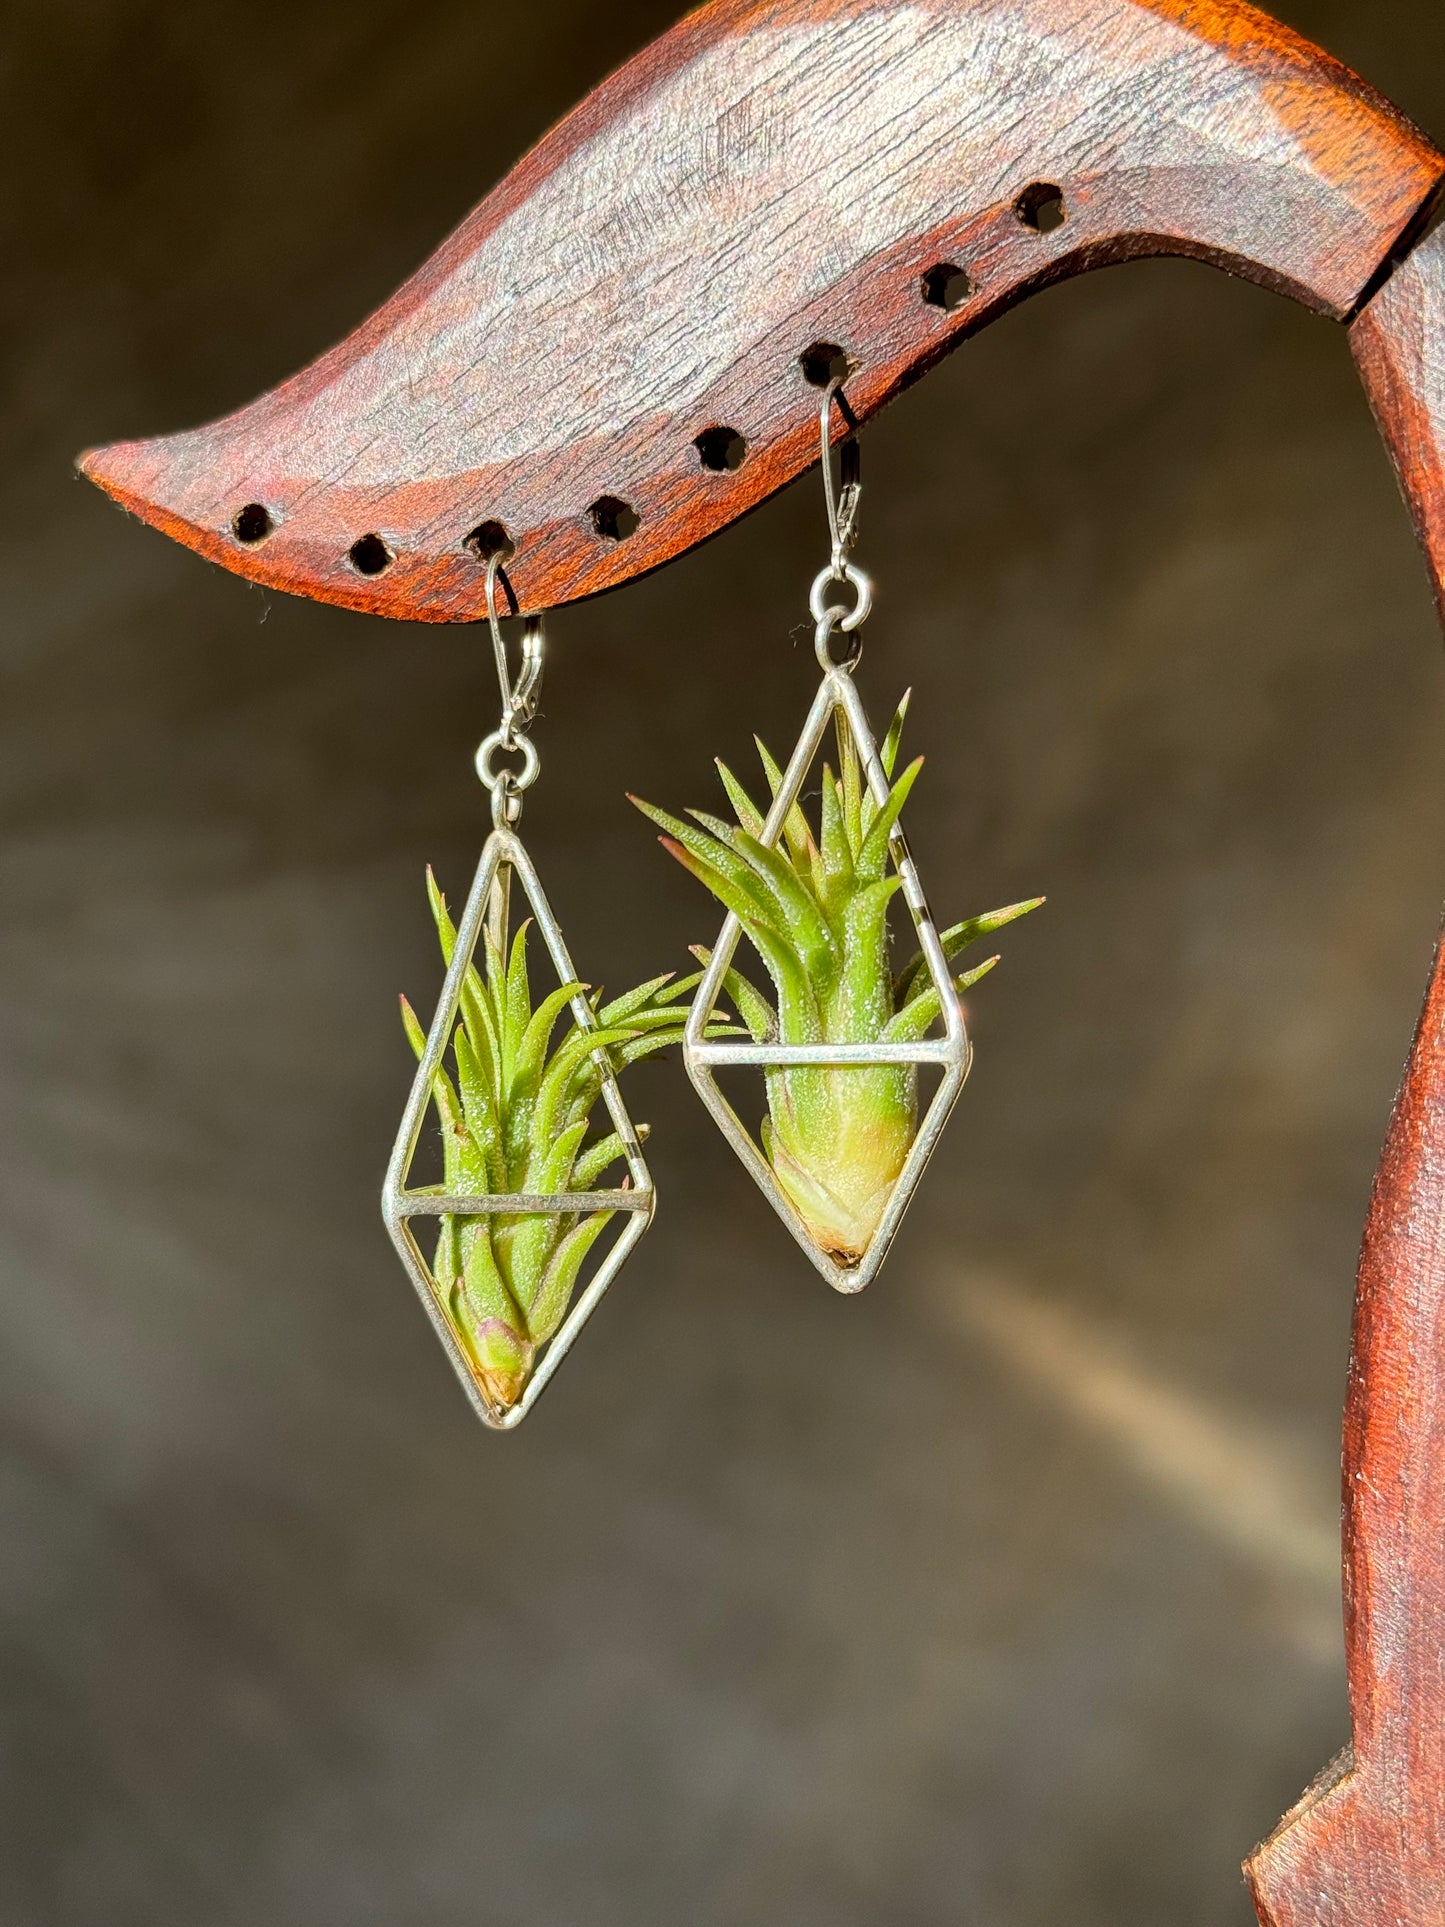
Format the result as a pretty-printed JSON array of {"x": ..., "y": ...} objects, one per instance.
[
  {"x": 952, "y": 1052},
  {"x": 506, "y": 859}
]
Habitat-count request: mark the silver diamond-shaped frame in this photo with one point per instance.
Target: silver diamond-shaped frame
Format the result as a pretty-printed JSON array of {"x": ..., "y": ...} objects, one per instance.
[
  {"x": 952, "y": 1052},
  {"x": 505, "y": 855}
]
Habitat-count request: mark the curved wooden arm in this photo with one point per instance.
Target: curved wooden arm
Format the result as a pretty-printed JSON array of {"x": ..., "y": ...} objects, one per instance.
[
  {"x": 776, "y": 174},
  {"x": 1399, "y": 343},
  {"x": 1366, "y": 1845},
  {"x": 769, "y": 175}
]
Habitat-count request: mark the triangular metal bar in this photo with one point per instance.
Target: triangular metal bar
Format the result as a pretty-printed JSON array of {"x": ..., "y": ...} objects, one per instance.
[
  {"x": 503, "y": 858},
  {"x": 952, "y": 1052}
]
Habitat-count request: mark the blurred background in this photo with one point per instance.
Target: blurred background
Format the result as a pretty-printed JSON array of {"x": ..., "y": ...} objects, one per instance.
[{"x": 1008, "y": 1593}]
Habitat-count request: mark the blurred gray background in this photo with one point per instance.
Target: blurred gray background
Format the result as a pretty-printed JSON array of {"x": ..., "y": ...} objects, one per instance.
[{"x": 1006, "y": 1594}]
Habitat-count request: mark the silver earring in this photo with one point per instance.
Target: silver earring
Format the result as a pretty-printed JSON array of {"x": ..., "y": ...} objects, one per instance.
[
  {"x": 840, "y": 1036},
  {"x": 520, "y": 1261}
]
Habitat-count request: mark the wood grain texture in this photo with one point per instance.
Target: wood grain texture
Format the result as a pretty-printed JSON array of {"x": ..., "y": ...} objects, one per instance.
[
  {"x": 1366, "y": 1845},
  {"x": 1399, "y": 342},
  {"x": 769, "y": 174}
]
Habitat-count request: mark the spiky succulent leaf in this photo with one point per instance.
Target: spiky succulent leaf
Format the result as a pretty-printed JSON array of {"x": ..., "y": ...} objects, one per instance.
[
  {"x": 745, "y": 809},
  {"x": 795, "y": 990},
  {"x": 754, "y": 1009},
  {"x": 601, "y": 1156},
  {"x": 913, "y": 1023},
  {"x": 648, "y": 995},
  {"x": 797, "y": 832},
  {"x": 914, "y": 975},
  {"x": 888, "y": 755},
  {"x": 851, "y": 783},
  {"x": 873, "y": 850},
  {"x": 799, "y": 917},
  {"x": 560, "y": 1279}
]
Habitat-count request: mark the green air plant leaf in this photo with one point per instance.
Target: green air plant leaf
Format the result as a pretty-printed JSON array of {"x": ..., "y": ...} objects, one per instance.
[
  {"x": 815, "y": 908},
  {"x": 516, "y": 1116}
]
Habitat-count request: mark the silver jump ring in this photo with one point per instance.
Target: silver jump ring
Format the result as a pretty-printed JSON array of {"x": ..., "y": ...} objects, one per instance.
[
  {"x": 506, "y": 804},
  {"x": 843, "y": 618},
  {"x": 510, "y": 780},
  {"x": 828, "y": 627}
]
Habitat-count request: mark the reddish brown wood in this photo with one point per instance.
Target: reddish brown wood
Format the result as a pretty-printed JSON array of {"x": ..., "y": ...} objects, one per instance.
[
  {"x": 769, "y": 174},
  {"x": 1399, "y": 342},
  {"x": 1366, "y": 1845},
  {"x": 1367, "y": 1842}
]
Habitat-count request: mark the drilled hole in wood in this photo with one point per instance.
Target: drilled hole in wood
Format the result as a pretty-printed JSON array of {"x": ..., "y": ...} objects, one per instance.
[
  {"x": 613, "y": 519},
  {"x": 946, "y": 286},
  {"x": 370, "y": 556},
  {"x": 1041, "y": 207},
  {"x": 488, "y": 539},
  {"x": 252, "y": 524},
  {"x": 720, "y": 449},
  {"x": 825, "y": 361}
]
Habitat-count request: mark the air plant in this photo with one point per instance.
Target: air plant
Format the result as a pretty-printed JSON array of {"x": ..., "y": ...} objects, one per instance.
[
  {"x": 816, "y": 911},
  {"x": 516, "y": 1118}
]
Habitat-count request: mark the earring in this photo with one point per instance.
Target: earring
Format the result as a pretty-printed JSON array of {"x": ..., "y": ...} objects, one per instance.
[
  {"x": 518, "y": 1218},
  {"x": 843, "y": 1038}
]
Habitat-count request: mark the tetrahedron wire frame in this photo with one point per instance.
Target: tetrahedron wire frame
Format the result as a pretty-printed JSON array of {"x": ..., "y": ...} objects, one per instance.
[
  {"x": 951, "y": 1053},
  {"x": 505, "y": 860}
]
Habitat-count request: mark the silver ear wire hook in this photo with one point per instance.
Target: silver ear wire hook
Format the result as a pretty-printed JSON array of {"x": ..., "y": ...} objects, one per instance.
[
  {"x": 843, "y": 503},
  {"x": 519, "y": 700},
  {"x": 519, "y": 707}
]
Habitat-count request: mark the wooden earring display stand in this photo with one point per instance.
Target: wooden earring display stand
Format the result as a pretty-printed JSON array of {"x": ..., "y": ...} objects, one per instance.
[{"x": 610, "y": 359}]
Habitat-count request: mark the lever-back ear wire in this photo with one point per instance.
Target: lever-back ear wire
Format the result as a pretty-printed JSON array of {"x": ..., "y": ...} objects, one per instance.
[
  {"x": 519, "y": 702},
  {"x": 519, "y": 707},
  {"x": 843, "y": 503},
  {"x": 842, "y": 506}
]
